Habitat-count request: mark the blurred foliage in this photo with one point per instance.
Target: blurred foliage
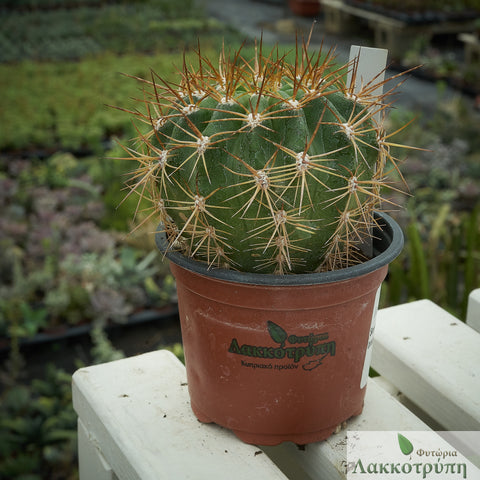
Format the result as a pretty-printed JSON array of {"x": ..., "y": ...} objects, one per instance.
[
  {"x": 61, "y": 261},
  {"x": 443, "y": 64},
  {"x": 64, "y": 105},
  {"x": 441, "y": 219},
  {"x": 177, "y": 350},
  {"x": 441, "y": 261},
  {"x": 61, "y": 103},
  {"x": 56, "y": 30},
  {"x": 38, "y": 429}
]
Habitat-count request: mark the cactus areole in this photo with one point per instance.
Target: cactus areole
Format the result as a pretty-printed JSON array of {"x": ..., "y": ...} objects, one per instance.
[{"x": 263, "y": 165}]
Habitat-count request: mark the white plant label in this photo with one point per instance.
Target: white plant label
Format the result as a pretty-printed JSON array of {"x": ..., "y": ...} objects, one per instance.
[
  {"x": 370, "y": 67},
  {"x": 367, "y": 67},
  {"x": 368, "y": 352}
]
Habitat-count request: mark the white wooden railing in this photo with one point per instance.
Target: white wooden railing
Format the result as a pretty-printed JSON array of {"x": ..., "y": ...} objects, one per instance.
[{"x": 135, "y": 420}]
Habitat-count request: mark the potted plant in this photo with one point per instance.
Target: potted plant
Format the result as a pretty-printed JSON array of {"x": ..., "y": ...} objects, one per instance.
[{"x": 267, "y": 177}]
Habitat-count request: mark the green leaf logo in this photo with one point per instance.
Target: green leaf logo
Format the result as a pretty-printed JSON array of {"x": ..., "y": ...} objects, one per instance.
[
  {"x": 405, "y": 444},
  {"x": 277, "y": 333}
]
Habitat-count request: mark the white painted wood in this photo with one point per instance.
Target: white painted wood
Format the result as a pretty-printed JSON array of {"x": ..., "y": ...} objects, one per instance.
[
  {"x": 473, "y": 310},
  {"x": 138, "y": 410},
  {"x": 433, "y": 359},
  {"x": 326, "y": 460},
  {"x": 389, "y": 387},
  {"x": 406, "y": 402},
  {"x": 91, "y": 463}
]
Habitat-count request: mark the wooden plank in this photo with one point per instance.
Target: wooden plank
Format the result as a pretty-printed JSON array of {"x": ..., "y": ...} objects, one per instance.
[
  {"x": 138, "y": 411},
  {"x": 448, "y": 26},
  {"x": 326, "y": 460},
  {"x": 433, "y": 359},
  {"x": 405, "y": 401},
  {"x": 362, "y": 13},
  {"x": 473, "y": 310},
  {"x": 391, "y": 33},
  {"x": 91, "y": 463}
]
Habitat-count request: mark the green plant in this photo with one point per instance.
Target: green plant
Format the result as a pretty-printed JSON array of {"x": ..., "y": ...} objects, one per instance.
[
  {"x": 177, "y": 350},
  {"x": 38, "y": 429},
  {"x": 441, "y": 261},
  {"x": 64, "y": 34},
  {"x": 58, "y": 268},
  {"x": 262, "y": 164},
  {"x": 63, "y": 102},
  {"x": 103, "y": 351}
]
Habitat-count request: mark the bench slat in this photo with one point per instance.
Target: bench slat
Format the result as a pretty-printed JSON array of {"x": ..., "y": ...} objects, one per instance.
[
  {"x": 137, "y": 409},
  {"x": 92, "y": 464},
  {"x": 473, "y": 311},
  {"x": 326, "y": 460},
  {"x": 433, "y": 359}
]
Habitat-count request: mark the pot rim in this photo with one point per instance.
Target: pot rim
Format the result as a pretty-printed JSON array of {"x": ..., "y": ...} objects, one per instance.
[{"x": 387, "y": 245}]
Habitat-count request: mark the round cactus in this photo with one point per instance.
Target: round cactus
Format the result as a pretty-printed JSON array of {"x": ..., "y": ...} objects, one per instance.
[{"x": 262, "y": 165}]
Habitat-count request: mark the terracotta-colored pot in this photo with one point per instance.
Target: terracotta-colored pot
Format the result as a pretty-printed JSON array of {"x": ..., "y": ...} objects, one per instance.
[
  {"x": 280, "y": 358},
  {"x": 305, "y": 8}
]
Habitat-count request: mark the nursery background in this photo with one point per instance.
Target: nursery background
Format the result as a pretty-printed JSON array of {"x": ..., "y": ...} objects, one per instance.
[{"x": 79, "y": 284}]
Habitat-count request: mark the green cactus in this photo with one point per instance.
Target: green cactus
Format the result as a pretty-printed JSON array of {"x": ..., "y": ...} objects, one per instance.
[{"x": 263, "y": 165}]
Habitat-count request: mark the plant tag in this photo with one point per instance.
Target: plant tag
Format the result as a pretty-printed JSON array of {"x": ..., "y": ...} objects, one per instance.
[
  {"x": 368, "y": 352},
  {"x": 368, "y": 66}
]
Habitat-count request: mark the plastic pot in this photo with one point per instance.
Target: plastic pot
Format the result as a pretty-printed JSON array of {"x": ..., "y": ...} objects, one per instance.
[
  {"x": 305, "y": 8},
  {"x": 280, "y": 358}
]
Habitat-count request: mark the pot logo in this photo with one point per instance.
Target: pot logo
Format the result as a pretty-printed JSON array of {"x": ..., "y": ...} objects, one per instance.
[{"x": 314, "y": 347}]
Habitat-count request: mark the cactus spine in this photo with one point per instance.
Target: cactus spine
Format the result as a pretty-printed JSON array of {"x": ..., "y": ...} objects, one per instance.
[{"x": 263, "y": 165}]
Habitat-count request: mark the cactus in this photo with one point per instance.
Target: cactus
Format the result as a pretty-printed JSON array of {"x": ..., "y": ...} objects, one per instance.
[{"x": 263, "y": 165}]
